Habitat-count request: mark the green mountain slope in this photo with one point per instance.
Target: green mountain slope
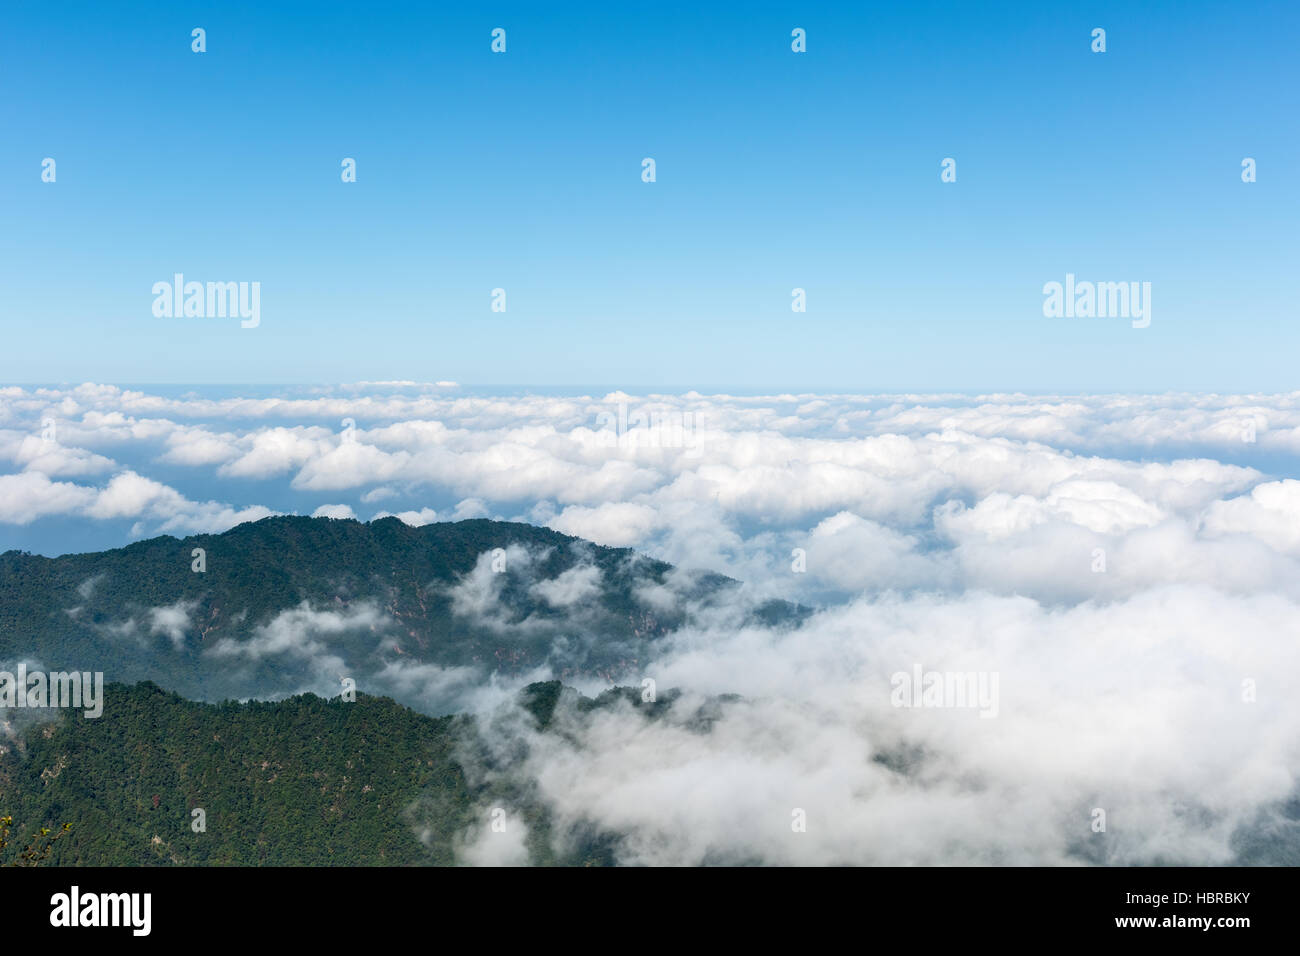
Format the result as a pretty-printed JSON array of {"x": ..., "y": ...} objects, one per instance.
[
  {"x": 299, "y": 781},
  {"x": 302, "y": 781},
  {"x": 289, "y": 604}
]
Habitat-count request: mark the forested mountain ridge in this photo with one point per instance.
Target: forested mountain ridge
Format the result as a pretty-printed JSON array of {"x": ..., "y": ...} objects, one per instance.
[
  {"x": 298, "y": 781},
  {"x": 291, "y": 603},
  {"x": 301, "y": 781},
  {"x": 415, "y": 615}
]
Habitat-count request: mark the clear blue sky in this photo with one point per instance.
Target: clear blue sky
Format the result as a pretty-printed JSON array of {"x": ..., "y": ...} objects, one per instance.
[{"x": 775, "y": 170}]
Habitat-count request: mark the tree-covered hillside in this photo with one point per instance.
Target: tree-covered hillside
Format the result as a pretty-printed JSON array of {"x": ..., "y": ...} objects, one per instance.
[
  {"x": 302, "y": 781},
  {"x": 299, "y": 781},
  {"x": 283, "y": 605},
  {"x": 288, "y": 604}
]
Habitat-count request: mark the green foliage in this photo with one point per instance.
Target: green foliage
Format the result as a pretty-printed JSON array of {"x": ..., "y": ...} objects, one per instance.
[
  {"x": 303, "y": 781},
  {"x": 35, "y": 852}
]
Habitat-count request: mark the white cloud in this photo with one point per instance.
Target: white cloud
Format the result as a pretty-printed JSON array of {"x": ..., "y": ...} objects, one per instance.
[
  {"x": 51, "y": 458},
  {"x": 334, "y": 511},
  {"x": 303, "y": 633},
  {"x": 954, "y": 531},
  {"x": 1271, "y": 513},
  {"x": 575, "y": 586},
  {"x": 1135, "y": 707},
  {"x": 173, "y": 621},
  {"x": 28, "y": 496},
  {"x": 275, "y": 451},
  {"x": 616, "y": 524},
  {"x": 500, "y": 839},
  {"x": 416, "y": 519}
]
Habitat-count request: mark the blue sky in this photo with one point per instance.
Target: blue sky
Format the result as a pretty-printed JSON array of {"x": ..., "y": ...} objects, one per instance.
[{"x": 774, "y": 170}]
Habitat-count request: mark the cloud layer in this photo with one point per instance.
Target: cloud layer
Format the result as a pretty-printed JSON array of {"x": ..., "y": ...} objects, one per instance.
[{"x": 1128, "y": 565}]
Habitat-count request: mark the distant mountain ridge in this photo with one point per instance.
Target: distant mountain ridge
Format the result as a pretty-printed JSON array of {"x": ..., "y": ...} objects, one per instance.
[
  {"x": 282, "y": 610},
  {"x": 292, "y": 603}
]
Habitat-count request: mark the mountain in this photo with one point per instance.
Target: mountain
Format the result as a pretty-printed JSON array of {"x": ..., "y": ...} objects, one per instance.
[
  {"x": 429, "y": 621},
  {"x": 288, "y": 604},
  {"x": 301, "y": 781}
]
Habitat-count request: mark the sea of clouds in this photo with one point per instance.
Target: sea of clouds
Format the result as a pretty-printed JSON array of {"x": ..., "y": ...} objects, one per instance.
[{"x": 1128, "y": 565}]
